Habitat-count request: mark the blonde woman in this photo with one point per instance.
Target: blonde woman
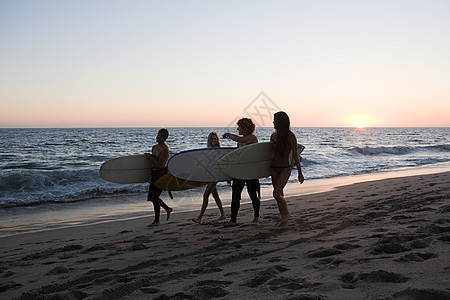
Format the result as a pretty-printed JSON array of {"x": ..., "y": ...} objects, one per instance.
[{"x": 211, "y": 188}]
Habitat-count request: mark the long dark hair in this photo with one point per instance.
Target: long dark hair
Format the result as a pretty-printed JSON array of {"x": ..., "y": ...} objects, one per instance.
[{"x": 282, "y": 125}]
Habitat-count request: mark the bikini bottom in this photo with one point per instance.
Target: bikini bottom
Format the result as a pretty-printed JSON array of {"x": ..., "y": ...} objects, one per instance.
[{"x": 279, "y": 169}]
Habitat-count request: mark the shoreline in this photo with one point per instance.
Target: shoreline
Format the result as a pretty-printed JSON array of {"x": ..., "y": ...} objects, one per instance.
[
  {"x": 66, "y": 215},
  {"x": 383, "y": 239}
]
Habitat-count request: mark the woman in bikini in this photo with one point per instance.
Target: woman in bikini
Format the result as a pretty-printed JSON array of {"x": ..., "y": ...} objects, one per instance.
[
  {"x": 284, "y": 141},
  {"x": 211, "y": 188}
]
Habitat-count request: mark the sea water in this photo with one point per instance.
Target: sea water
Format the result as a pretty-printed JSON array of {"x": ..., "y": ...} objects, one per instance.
[{"x": 46, "y": 169}]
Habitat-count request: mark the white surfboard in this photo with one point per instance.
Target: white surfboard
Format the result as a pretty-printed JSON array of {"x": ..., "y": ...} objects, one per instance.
[
  {"x": 199, "y": 164},
  {"x": 127, "y": 169},
  {"x": 250, "y": 162}
]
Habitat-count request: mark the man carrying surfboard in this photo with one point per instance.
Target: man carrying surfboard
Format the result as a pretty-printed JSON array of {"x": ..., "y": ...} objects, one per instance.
[
  {"x": 246, "y": 128},
  {"x": 159, "y": 158}
]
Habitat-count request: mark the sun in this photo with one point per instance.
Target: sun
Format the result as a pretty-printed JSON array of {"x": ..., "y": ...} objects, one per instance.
[{"x": 360, "y": 121}]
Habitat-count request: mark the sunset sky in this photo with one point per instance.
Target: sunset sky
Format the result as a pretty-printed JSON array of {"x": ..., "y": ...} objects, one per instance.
[{"x": 206, "y": 63}]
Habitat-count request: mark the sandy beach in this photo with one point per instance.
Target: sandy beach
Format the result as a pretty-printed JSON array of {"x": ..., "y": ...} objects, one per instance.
[{"x": 385, "y": 239}]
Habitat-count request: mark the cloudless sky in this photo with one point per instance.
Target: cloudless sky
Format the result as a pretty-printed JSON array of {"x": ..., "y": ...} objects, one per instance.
[{"x": 204, "y": 63}]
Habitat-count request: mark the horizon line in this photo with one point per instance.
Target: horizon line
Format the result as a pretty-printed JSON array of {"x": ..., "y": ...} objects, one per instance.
[{"x": 115, "y": 127}]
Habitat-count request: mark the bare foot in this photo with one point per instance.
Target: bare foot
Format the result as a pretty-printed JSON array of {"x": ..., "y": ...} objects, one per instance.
[
  {"x": 222, "y": 217},
  {"x": 229, "y": 224},
  {"x": 255, "y": 220},
  {"x": 168, "y": 213},
  {"x": 197, "y": 220},
  {"x": 153, "y": 224},
  {"x": 284, "y": 221}
]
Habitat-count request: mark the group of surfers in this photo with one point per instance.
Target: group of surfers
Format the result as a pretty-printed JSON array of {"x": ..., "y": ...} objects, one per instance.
[{"x": 284, "y": 141}]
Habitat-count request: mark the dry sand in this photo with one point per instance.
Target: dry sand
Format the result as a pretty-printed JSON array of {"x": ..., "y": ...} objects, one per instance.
[{"x": 386, "y": 239}]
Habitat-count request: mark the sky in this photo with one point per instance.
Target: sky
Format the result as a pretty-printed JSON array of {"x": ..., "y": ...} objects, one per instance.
[{"x": 207, "y": 63}]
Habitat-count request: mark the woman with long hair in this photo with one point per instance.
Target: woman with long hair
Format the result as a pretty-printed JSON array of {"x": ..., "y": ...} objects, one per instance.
[
  {"x": 284, "y": 141},
  {"x": 211, "y": 188}
]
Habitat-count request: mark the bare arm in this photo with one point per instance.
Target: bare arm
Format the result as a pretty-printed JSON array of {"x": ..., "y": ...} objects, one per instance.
[
  {"x": 293, "y": 142},
  {"x": 272, "y": 137},
  {"x": 233, "y": 137},
  {"x": 242, "y": 140}
]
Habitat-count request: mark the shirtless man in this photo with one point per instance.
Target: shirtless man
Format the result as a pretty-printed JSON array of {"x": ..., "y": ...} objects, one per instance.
[
  {"x": 159, "y": 158},
  {"x": 246, "y": 127}
]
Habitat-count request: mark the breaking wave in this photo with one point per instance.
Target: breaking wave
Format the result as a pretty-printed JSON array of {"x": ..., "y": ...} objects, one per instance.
[
  {"x": 398, "y": 150},
  {"x": 28, "y": 187}
]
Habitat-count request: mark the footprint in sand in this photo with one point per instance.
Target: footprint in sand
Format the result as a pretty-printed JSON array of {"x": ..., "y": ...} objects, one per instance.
[
  {"x": 208, "y": 289},
  {"x": 206, "y": 270},
  {"x": 399, "y": 244},
  {"x": 149, "y": 290},
  {"x": 417, "y": 257},
  {"x": 265, "y": 275},
  {"x": 289, "y": 284},
  {"x": 389, "y": 249},
  {"x": 6, "y": 274},
  {"x": 411, "y": 293},
  {"x": 95, "y": 248},
  {"x": 445, "y": 238},
  {"x": 352, "y": 278},
  {"x": 5, "y": 286},
  {"x": 330, "y": 262},
  {"x": 322, "y": 252},
  {"x": 58, "y": 270},
  {"x": 275, "y": 259}
]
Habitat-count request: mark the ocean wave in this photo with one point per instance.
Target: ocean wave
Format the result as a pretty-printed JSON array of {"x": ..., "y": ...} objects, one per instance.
[
  {"x": 9, "y": 200},
  {"x": 29, "y": 166},
  {"x": 443, "y": 147},
  {"x": 29, "y": 187},
  {"x": 382, "y": 150},
  {"x": 398, "y": 150},
  {"x": 309, "y": 162},
  {"x": 426, "y": 161}
]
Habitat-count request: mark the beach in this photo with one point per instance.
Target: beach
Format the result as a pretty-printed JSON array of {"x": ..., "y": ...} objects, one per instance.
[{"x": 383, "y": 239}]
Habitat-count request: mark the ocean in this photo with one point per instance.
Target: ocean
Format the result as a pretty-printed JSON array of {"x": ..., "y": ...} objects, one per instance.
[{"x": 52, "y": 176}]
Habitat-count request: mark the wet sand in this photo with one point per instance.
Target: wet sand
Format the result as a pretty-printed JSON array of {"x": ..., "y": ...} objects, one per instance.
[{"x": 385, "y": 239}]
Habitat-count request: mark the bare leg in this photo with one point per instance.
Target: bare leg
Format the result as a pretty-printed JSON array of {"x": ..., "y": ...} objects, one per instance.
[
  {"x": 279, "y": 181},
  {"x": 218, "y": 202},
  {"x": 209, "y": 188},
  {"x": 169, "y": 211},
  {"x": 166, "y": 208}
]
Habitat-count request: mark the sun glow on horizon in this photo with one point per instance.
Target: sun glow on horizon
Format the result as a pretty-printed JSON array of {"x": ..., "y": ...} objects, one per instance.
[{"x": 360, "y": 121}]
